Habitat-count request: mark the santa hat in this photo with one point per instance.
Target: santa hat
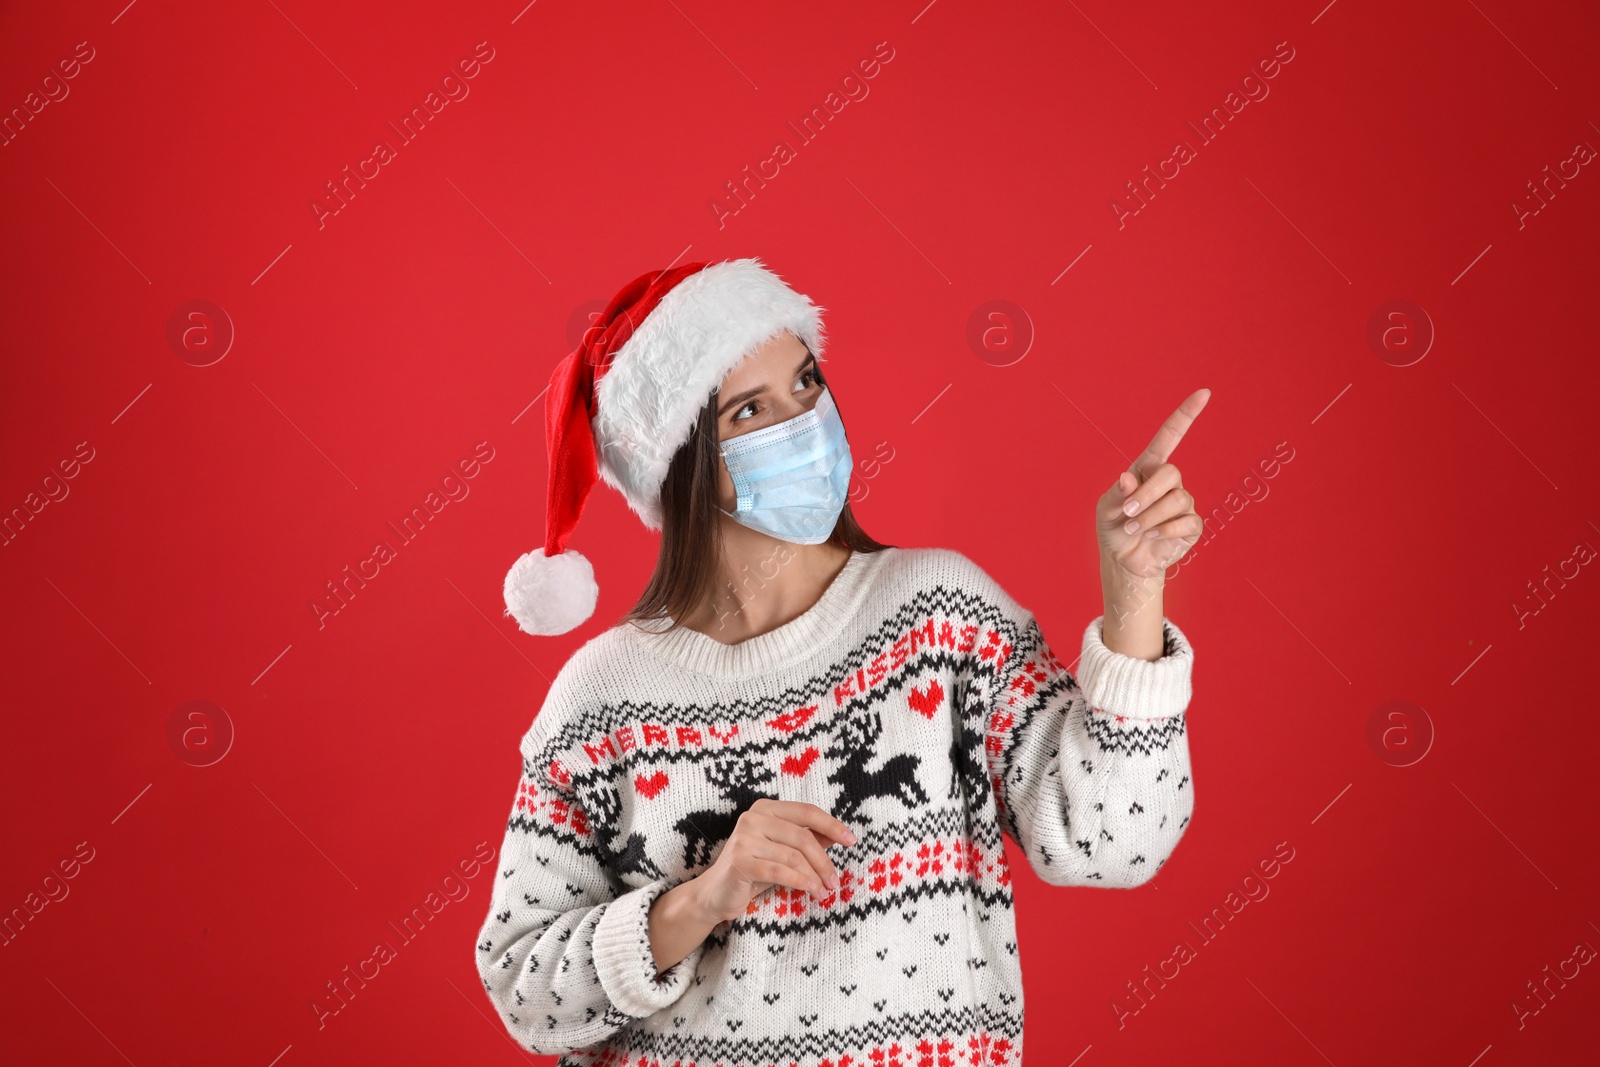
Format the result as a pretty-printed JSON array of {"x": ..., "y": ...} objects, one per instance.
[{"x": 620, "y": 406}]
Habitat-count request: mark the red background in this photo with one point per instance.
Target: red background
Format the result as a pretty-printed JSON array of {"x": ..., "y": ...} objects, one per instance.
[{"x": 374, "y": 753}]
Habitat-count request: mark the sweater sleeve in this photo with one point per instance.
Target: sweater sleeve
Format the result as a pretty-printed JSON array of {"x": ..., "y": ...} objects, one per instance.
[
  {"x": 1093, "y": 782},
  {"x": 565, "y": 951}
]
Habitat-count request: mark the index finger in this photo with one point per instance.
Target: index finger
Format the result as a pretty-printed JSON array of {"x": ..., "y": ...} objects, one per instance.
[
  {"x": 812, "y": 817},
  {"x": 1166, "y": 439}
]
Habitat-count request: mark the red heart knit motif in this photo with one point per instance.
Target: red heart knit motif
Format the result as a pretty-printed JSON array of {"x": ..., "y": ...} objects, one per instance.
[
  {"x": 799, "y": 765},
  {"x": 652, "y": 785},
  {"x": 927, "y": 703}
]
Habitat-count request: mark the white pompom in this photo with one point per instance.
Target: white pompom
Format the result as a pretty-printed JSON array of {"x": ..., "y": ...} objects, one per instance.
[{"x": 550, "y": 595}]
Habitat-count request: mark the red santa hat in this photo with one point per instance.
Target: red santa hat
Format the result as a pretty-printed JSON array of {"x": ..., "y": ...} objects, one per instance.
[{"x": 621, "y": 405}]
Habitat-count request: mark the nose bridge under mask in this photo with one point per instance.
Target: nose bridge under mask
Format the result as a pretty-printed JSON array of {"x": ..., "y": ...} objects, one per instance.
[
  {"x": 783, "y": 446},
  {"x": 781, "y": 431}
]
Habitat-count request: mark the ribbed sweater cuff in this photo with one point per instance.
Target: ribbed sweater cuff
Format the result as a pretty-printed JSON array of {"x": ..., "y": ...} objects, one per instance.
[
  {"x": 1137, "y": 688},
  {"x": 624, "y": 962}
]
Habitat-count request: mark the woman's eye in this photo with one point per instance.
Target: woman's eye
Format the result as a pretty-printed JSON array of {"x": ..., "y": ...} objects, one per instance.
[{"x": 809, "y": 376}]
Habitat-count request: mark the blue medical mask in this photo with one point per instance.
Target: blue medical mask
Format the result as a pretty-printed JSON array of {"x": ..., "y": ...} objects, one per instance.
[{"x": 792, "y": 479}]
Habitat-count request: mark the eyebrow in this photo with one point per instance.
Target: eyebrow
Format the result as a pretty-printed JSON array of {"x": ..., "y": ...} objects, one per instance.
[{"x": 749, "y": 393}]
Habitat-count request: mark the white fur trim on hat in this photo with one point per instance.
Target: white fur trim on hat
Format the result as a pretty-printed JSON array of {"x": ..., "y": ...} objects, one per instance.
[
  {"x": 649, "y": 398},
  {"x": 550, "y": 595}
]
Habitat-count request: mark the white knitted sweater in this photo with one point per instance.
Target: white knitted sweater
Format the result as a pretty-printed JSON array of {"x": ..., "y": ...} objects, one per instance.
[{"x": 918, "y": 703}]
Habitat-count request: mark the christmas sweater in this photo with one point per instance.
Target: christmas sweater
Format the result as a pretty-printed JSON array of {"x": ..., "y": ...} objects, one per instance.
[{"x": 915, "y": 701}]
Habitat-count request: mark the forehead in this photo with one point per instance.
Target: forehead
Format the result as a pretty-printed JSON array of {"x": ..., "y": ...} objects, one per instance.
[{"x": 773, "y": 360}]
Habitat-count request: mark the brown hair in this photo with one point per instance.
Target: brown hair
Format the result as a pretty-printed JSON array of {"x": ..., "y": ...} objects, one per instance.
[{"x": 691, "y": 531}]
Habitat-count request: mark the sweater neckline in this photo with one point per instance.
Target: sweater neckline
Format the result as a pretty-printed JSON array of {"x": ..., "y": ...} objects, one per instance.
[{"x": 794, "y": 640}]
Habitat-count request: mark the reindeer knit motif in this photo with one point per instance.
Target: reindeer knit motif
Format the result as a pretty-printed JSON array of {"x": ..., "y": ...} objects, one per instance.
[{"x": 918, "y": 703}]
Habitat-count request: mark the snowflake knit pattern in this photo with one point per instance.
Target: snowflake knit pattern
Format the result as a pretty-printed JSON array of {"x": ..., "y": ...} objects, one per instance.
[{"x": 919, "y": 704}]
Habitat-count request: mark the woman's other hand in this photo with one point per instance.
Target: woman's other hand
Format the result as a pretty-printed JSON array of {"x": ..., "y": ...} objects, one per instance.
[{"x": 775, "y": 842}]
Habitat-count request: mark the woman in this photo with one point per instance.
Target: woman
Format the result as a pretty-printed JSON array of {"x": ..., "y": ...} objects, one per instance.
[{"x": 760, "y": 819}]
